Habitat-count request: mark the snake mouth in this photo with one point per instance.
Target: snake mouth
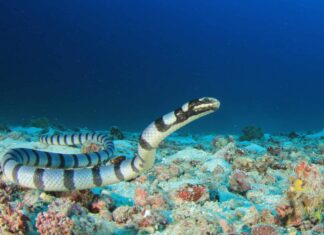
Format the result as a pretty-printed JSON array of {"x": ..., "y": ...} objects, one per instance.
[{"x": 205, "y": 104}]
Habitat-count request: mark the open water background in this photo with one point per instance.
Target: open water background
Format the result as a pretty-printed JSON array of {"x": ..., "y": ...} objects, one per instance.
[{"x": 102, "y": 63}]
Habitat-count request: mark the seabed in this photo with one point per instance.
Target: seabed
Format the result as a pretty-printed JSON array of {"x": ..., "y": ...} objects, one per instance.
[{"x": 200, "y": 184}]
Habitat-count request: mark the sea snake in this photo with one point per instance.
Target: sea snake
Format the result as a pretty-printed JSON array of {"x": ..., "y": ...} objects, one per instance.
[{"x": 64, "y": 172}]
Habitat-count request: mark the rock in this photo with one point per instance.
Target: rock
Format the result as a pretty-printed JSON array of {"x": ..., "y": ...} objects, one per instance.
[{"x": 251, "y": 133}]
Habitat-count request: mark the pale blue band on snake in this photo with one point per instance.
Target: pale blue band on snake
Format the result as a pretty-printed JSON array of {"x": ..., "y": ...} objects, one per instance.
[{"x": 64, "y": 172}]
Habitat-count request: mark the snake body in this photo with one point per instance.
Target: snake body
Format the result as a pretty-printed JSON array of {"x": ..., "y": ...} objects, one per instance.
[{"x": 64, "y": 172}]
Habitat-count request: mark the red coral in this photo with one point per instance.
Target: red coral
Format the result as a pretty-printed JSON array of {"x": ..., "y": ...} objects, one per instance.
[{"x": 191, "y": 192}]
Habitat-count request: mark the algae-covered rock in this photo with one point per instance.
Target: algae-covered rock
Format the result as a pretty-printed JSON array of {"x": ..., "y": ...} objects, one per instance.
[
  {"x": 116, "y": 133},
  {"x": 251, "y": 133},
  {"x": 41, "y": 122},
  {"x": 4, "y": 128}
]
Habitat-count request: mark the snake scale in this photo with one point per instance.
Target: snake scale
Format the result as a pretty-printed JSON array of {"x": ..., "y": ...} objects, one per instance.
[{"x": 49, "y": 171}]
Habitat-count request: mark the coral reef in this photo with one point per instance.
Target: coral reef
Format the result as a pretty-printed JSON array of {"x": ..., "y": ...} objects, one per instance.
[{"x": 200, "y": 184}]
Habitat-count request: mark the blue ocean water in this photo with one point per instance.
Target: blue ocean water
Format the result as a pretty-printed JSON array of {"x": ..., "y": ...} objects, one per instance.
[{"x": 124, "y": 63}]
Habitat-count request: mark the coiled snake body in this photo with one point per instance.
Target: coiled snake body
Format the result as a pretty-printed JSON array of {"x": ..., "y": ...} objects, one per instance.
[{"x": 63, "y": 172}]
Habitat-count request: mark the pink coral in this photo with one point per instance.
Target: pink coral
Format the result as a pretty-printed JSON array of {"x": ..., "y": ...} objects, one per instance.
[
  {"x": 264, "y": 229},
  {"x": 142, "y": 198},
  {"x": 54, "y": 223}
]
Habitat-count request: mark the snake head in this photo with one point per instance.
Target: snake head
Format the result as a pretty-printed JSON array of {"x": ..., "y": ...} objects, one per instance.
[
  {"x": 200, "y": 106},
  {"x": 196, "y": 108}
]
